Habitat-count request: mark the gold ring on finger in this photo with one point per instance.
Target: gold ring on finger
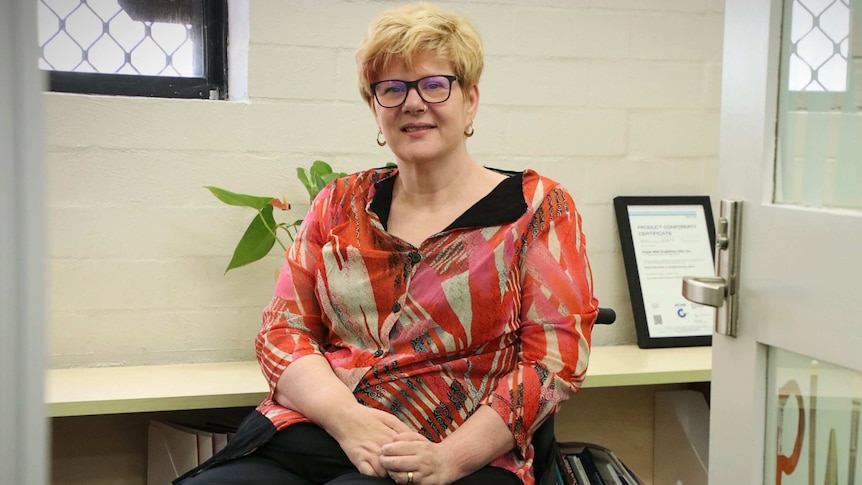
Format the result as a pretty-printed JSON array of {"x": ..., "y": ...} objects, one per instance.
[{"x": 409, "y": 478}]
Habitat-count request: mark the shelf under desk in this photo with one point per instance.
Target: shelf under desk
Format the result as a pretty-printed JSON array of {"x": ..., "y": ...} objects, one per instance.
[{"x": 114, "y": 390}]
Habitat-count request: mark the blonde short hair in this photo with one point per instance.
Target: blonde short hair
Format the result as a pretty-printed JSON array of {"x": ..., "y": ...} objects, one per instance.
[{"x": 402, "y": 33}]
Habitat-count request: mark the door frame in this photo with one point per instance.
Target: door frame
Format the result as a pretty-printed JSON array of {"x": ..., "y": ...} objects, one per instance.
[
  {"x": 737, "y": 394},
  {"x": 23, "y": 449}
]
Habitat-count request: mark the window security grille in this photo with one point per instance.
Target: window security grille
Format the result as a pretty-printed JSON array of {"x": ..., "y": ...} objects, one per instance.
[
  {"x": 164, "y": 48},
  {"x": 820, "y": 45}
]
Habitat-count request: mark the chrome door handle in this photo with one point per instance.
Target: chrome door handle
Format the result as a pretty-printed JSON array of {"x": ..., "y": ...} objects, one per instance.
[
  {"x": 720, "y": 291},
  {"x": 706, "y": 290}
]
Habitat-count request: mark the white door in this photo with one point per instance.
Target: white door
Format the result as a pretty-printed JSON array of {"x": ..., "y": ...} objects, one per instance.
[{"x": 786, "y": 390}]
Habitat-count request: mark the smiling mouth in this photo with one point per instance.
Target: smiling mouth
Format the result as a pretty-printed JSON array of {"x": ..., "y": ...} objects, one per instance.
[{"x": 412, "y": 129}]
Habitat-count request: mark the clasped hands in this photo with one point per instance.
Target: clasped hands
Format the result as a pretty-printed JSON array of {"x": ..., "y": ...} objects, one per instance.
[{"x": 379, "y": 444}]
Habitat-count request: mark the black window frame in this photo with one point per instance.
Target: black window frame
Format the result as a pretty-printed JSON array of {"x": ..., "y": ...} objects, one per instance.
[{"x": 212, "y": 86}]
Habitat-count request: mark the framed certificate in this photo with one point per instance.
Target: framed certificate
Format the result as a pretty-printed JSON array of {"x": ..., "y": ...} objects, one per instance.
[{"x": 664, "y": 239}]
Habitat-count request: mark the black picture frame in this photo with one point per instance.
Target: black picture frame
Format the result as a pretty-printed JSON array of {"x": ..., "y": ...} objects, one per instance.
[{"x": 672, "y": 247}]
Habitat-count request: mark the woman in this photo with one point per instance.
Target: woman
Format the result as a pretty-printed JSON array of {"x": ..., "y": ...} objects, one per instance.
[{"x": 429, "y": 317}]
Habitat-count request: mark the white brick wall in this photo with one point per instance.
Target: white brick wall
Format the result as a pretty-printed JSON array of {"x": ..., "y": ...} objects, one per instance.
[{"x": 610, "y": 97}]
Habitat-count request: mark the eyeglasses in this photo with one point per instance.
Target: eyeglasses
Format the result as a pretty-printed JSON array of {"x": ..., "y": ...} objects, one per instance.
[{"x": 432, "y": 89}]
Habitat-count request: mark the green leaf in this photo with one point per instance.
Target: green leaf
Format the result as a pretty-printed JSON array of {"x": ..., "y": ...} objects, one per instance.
[
  {"x": 242, "y": 200},
  {"x": 330, "y": 177},
  {"x": 317, "y": 183},
  {"x": 256, "y": 242},
  {"x": 320, "y": 167},
  {"x": 316, "y": 177},
  {"x": 302, "y": 175}
]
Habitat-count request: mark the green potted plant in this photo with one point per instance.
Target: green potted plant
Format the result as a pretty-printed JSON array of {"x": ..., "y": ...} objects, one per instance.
[{"x": 263, "y": 231}]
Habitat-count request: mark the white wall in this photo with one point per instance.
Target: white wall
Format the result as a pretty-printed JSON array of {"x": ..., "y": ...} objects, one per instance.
[{"x": 610, "y": 97}]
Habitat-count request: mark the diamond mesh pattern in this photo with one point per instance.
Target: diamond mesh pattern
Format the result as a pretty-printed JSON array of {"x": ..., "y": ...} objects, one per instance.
[
  {"x": 101, "y": 36},
  {"x": 820, "y": 42}
]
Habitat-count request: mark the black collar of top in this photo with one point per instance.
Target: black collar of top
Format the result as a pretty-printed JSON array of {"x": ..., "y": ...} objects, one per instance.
[{"x": 504, "y": 204}]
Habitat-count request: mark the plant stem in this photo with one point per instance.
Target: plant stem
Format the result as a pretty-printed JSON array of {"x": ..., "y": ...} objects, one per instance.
[{"x": 271, "y": 230}]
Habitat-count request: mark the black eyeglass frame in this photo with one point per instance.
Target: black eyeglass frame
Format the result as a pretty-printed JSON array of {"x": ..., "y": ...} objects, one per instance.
[{"x": 414, "y": 84}]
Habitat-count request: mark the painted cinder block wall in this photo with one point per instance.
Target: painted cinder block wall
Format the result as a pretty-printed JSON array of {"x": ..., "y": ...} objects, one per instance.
[{"x": 609, "y": 97}]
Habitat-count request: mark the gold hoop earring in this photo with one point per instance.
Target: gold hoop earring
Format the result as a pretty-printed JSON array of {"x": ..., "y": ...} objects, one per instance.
[
  {"x": 468, "y": 132},
  {"x": 380, "y": 142}
]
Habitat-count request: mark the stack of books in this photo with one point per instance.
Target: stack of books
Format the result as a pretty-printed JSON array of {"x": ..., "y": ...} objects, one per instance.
[{"x": 590, "y": 464}]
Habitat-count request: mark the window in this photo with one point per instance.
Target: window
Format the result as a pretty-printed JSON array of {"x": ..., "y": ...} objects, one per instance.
[
  {"x": 159, "y": 48},
  {"x": 820, "y": 106},
  {"x": 819, "y": 45}
]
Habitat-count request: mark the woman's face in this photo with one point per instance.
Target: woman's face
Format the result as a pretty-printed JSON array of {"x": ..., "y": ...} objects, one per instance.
[{"x": 418, "y": 131}]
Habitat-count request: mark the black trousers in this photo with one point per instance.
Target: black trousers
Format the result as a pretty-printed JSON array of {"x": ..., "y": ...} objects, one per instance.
[{"x": 302, "y": 454}]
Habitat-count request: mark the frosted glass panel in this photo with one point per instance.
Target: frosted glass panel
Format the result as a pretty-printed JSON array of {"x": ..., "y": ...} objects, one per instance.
[
  {"x": 817, "y": 49},
  {"x": 136, "y": 37},
  {"x": 819, "y": 150},
  {"x": 812, "y": 422}
]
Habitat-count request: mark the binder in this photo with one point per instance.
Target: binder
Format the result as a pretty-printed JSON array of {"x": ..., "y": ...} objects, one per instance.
[
  {"x": 579, "y": 470},
  {"x": 608, "y": 468},
  {"x": 593, "y": 474},
  {"x": 568, "y": 476},
  {"x": 592, "y": 464}
]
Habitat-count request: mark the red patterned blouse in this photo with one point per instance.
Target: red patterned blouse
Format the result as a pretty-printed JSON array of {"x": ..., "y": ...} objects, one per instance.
[{"x": 495, "y": 310}]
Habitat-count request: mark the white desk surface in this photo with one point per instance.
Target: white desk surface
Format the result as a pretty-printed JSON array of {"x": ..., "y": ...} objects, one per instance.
[{"x": 112, "y": 390}]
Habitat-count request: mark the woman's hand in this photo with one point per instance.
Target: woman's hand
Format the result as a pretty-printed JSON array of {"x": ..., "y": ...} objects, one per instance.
[
  {"x": 310, "y": 386},
  {"x": 362, "y": 433},
  {"x": 413, "y": 453},
  {"x": 483, "y": 437}
]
